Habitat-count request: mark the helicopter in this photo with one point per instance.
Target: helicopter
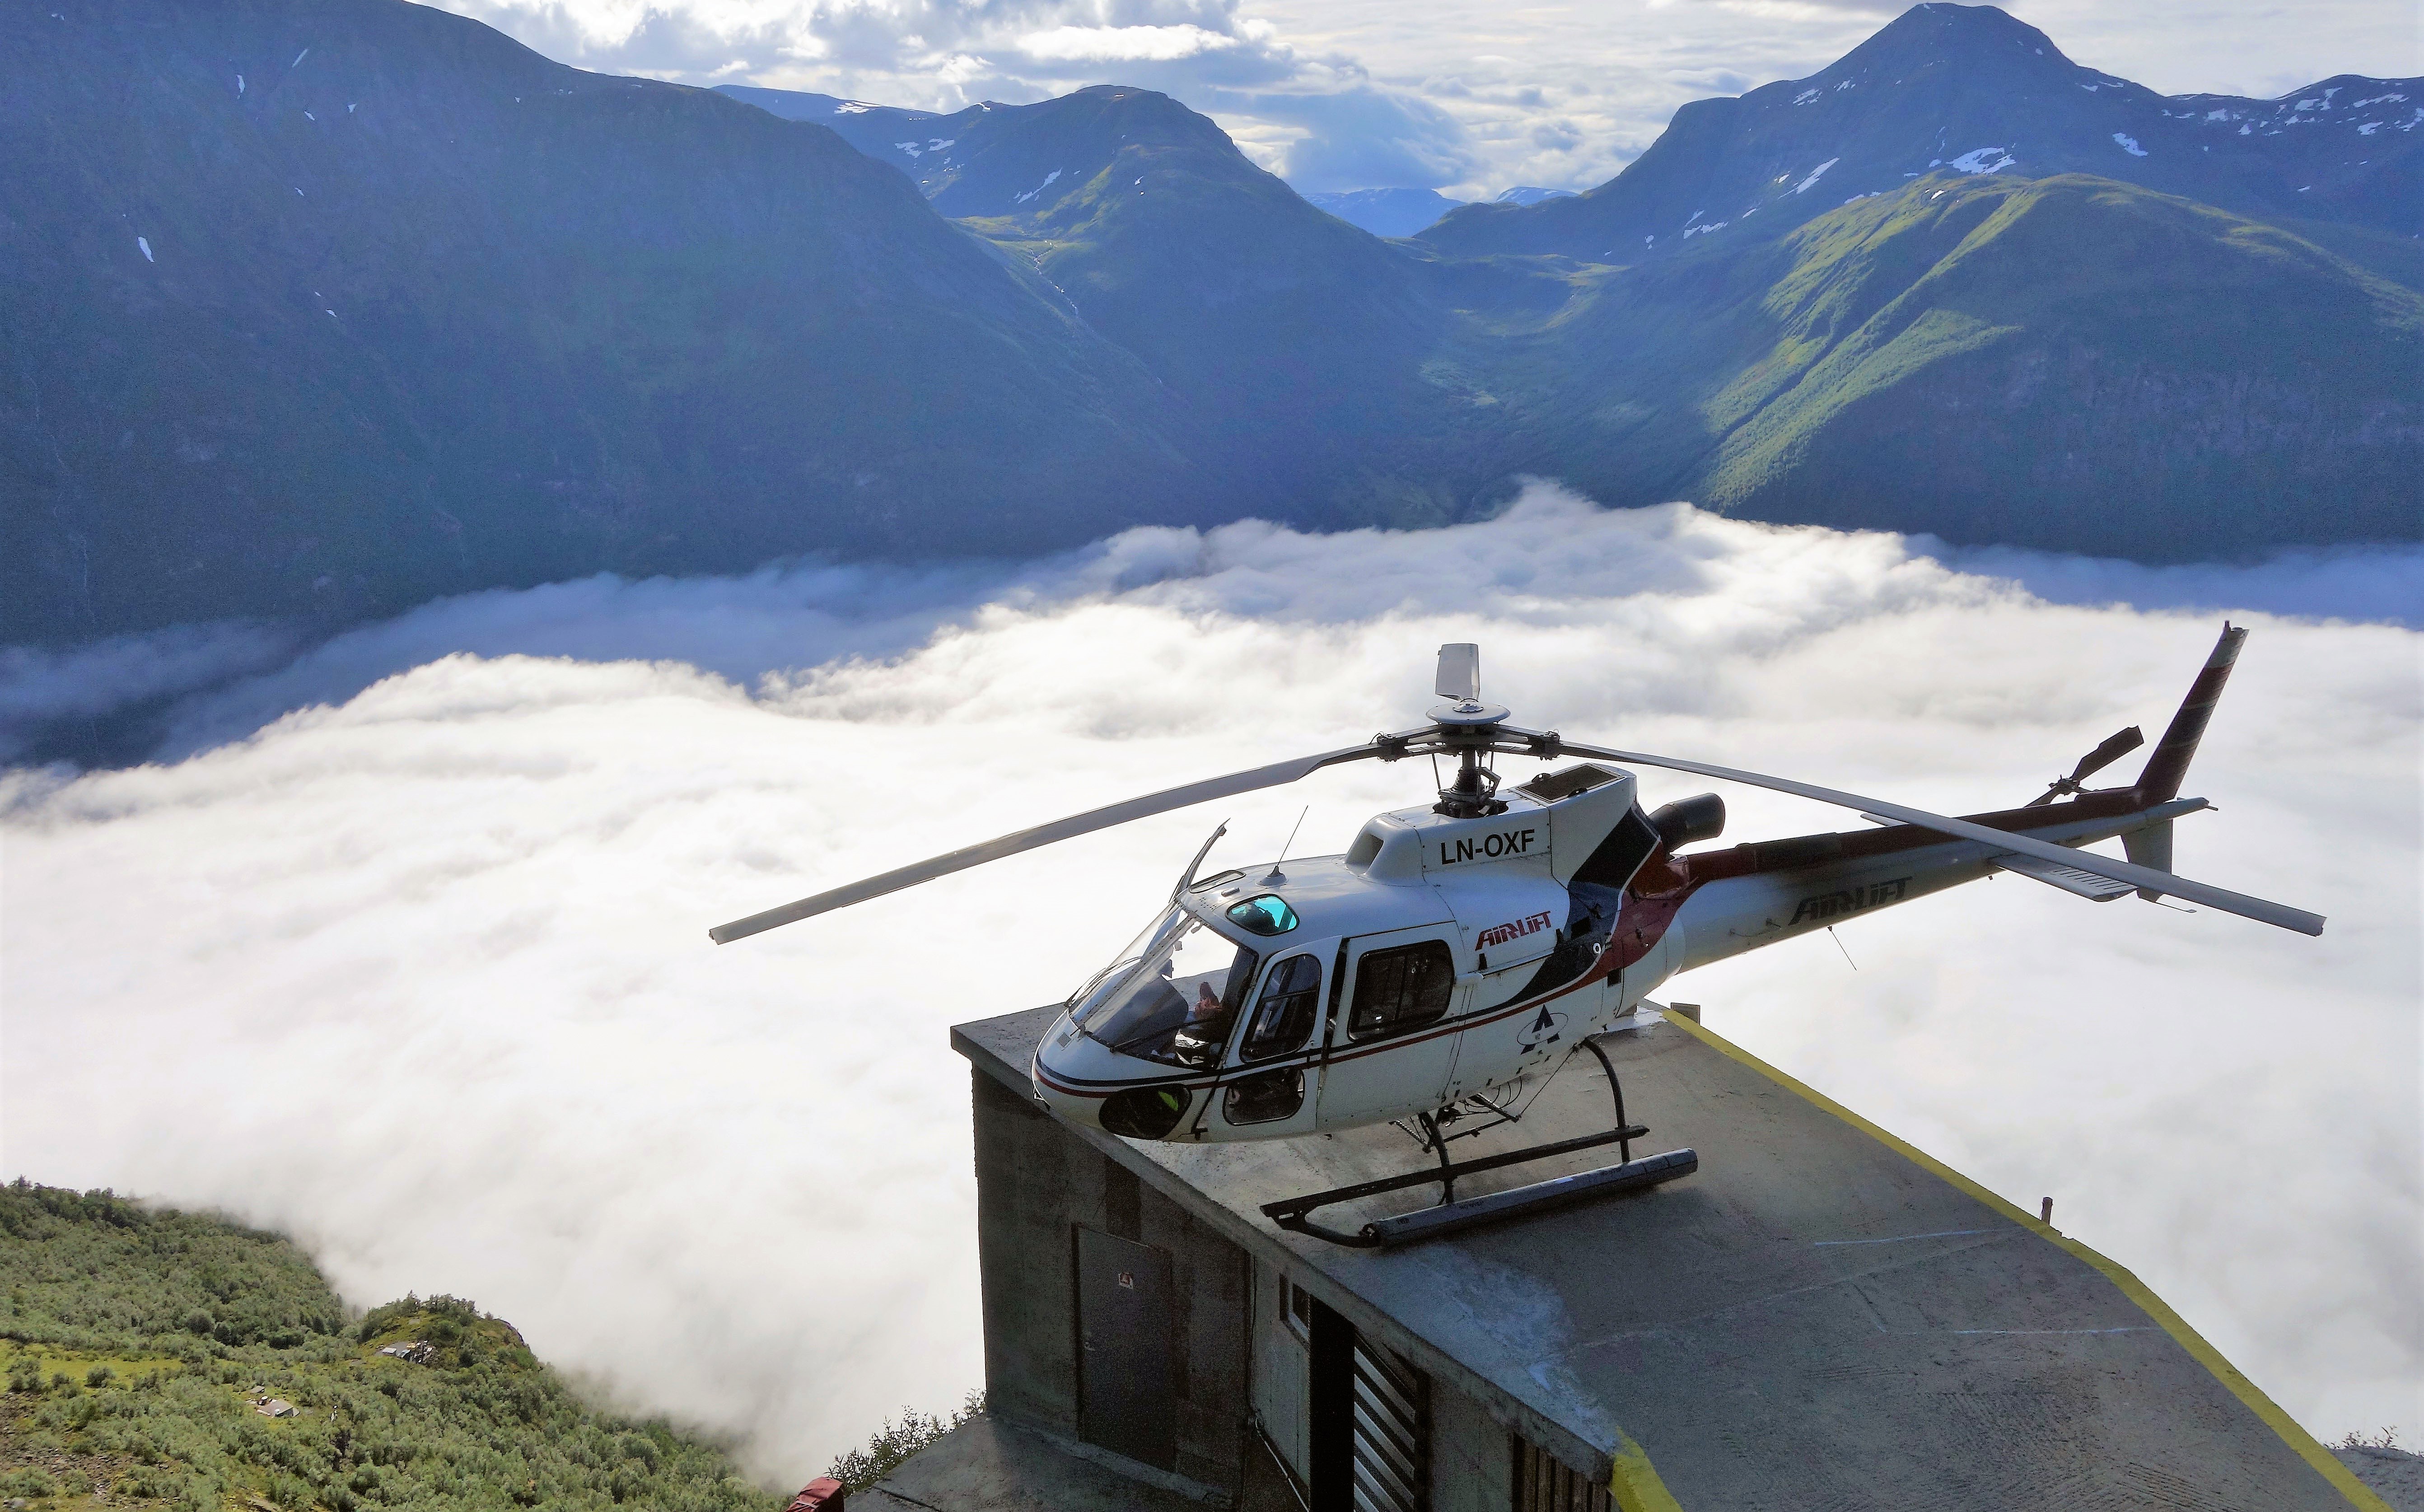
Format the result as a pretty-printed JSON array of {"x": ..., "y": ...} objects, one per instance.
[{"x": 1457, "y": 953}]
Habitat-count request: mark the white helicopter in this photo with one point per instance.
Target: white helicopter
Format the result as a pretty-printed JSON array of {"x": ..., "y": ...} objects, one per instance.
[{"x": 1457, "y": 952}]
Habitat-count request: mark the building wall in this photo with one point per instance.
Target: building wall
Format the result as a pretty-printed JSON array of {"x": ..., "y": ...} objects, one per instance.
[
  {"x": 1036, "y": 1183},
  {"x": 1473, "y": 1460}
]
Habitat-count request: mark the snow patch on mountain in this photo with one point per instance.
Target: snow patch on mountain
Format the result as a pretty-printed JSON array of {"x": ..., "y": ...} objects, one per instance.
[
  {"x": 1815, "y": 174},
  {"x": 1980, "y": 160},
  {"x": 2129, "y": 144}
]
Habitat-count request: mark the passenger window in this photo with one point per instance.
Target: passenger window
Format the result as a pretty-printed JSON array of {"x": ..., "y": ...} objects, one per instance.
[
  {"x": 1291, "y": 994},
  {"x": 1401, "y": 988}
]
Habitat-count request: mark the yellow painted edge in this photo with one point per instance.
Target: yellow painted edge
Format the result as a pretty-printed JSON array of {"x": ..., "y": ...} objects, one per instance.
[
  {"x": 2342, "y": 1479},
  {"x": 1636, "y": 1486}
]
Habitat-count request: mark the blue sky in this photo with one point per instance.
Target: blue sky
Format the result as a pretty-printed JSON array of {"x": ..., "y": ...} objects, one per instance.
[{"x": 1466, "y": 97}]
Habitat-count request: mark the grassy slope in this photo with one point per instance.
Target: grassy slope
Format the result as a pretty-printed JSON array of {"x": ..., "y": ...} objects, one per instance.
[
  {"x": 134, "y": 1342},
  {"x": 2069, "y": 363}
]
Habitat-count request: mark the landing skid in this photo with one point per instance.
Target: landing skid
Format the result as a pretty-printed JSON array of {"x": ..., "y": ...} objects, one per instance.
[{"x": 1451, "y": 1216}]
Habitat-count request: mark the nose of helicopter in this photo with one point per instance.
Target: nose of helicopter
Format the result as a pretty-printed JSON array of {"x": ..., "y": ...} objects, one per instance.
[{"x": 1088, "y": 1082}]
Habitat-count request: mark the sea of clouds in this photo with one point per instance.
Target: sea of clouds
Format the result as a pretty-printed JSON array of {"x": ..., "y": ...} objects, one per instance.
[{"x": 400, "y": 944}]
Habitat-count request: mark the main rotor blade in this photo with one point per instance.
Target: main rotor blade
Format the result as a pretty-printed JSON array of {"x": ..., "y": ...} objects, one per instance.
[
  {"x": 2143, "y": 878},
  {"x": 1277, "y": 775}
]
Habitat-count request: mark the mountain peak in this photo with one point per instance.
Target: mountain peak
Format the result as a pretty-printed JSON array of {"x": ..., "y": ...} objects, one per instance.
[
  {"x": 1987, "y": 45},
  {"x": 1939, "y": 25},
  {"x": 1961, "y": 90}
]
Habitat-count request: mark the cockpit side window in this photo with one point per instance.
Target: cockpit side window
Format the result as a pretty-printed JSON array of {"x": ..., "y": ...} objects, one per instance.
[
  {"x": 1291, "y": 996},
  {"x": 1402, "y": 988},
  {"x": 1177, "y": 1002}
]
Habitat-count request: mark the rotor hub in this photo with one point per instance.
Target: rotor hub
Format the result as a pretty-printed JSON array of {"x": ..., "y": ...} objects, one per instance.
[{"x": 1468, "y": 713}]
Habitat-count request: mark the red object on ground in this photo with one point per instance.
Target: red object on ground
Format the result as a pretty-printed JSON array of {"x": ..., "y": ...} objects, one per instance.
[{"x": 824, "y": 1494}]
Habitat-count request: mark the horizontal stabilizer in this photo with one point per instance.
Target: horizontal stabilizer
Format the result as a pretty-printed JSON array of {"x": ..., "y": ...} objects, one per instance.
[{"x": 2085, "y": 884}]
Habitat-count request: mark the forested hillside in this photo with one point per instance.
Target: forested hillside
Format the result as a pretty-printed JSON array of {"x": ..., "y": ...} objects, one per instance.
[{"x": 150, "y": 1358}]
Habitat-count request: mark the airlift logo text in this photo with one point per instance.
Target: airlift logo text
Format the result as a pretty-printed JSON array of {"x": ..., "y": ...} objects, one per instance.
[
  {"x": 1501, "y": 933},
  {"x": 1486, "y": 847},
  {"x": 1850, "y": 900}
]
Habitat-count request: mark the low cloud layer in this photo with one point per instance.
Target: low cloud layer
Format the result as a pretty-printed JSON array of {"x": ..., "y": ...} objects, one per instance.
[
  {"x": 404, "y": 951},
  {"x": 1346, "y": 94}
]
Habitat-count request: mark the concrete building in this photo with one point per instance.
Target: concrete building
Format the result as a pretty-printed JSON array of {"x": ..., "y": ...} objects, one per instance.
[{"x": 1820, "y": 1316}]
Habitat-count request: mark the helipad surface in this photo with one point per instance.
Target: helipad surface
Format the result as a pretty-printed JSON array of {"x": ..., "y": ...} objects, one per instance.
[{"x": 1821, "y": 1317}]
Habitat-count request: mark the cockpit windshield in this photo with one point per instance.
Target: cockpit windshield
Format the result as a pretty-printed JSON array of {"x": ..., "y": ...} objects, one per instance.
[{"x": 1171, "y": 995}]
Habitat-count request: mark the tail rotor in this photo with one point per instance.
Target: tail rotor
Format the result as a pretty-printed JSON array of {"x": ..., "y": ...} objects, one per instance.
[{"x": 2113, "y": 749}]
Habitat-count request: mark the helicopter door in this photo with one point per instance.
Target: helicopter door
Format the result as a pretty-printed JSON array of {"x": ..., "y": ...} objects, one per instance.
[
  {"x": 1389, "y": 1052},
  {"x": 1269, "y": 1085}
]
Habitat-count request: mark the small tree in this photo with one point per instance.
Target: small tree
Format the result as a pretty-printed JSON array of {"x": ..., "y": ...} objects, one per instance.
[{"x": 858, "y": 1469}]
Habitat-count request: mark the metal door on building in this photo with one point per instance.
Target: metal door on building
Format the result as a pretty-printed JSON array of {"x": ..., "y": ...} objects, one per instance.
[
  {"x": 1126, "y": 1397},
  {"x": 1283, "y": 1369}
]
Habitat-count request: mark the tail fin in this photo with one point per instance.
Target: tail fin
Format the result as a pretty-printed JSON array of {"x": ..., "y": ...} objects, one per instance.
[{"x": 2169, "y": 765}]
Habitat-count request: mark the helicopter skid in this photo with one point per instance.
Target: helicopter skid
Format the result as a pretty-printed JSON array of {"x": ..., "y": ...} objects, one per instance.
[{"x": 1450, "y": 1216}]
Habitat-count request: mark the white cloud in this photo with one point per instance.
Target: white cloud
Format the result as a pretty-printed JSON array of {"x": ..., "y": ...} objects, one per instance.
[
  {"x": 1544, "y": 95},
  {"x": 1358, "y": 138},
  {"x": 1122, "y": 44},
  {"x": 407, "y": 955}
]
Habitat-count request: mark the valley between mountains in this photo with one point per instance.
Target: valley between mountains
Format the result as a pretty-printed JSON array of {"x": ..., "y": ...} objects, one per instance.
[{"x": 316, "y": 310}]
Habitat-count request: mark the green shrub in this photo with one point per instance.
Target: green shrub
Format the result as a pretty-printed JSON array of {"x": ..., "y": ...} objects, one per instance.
[
  {"x": 98, "y": 1375},
  {"x": 28, "y": 1481},
  {"x": 858, "y": 1469}
]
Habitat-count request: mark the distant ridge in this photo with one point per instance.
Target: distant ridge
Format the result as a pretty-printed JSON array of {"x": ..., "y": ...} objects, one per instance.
[
  {"x": 1387, "y": 212},
  {"x": 1968, "y": 89},
  {"x": 1529, "y": 194}
]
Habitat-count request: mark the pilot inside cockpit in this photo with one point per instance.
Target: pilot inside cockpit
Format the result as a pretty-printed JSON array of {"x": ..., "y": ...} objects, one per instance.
[{"x": 1172, "y": 996}]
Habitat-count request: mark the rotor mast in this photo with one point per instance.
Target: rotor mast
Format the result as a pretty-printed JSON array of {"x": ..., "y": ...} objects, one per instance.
[{"x": 1467, "y": 726}]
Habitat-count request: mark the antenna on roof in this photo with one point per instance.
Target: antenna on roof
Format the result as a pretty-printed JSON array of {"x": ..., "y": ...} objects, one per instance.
[{"x": 1274, "y": 877}]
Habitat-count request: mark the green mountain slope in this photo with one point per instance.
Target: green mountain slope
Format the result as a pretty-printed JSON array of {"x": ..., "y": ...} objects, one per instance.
[
  {"x": 1295, "y": 344},
  {"x": 319, "y": 308},
  {"x": 2067, "y": 362},
  {"x": 1295, "y": 339},
  {"x": 139, "y": 1346}
]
